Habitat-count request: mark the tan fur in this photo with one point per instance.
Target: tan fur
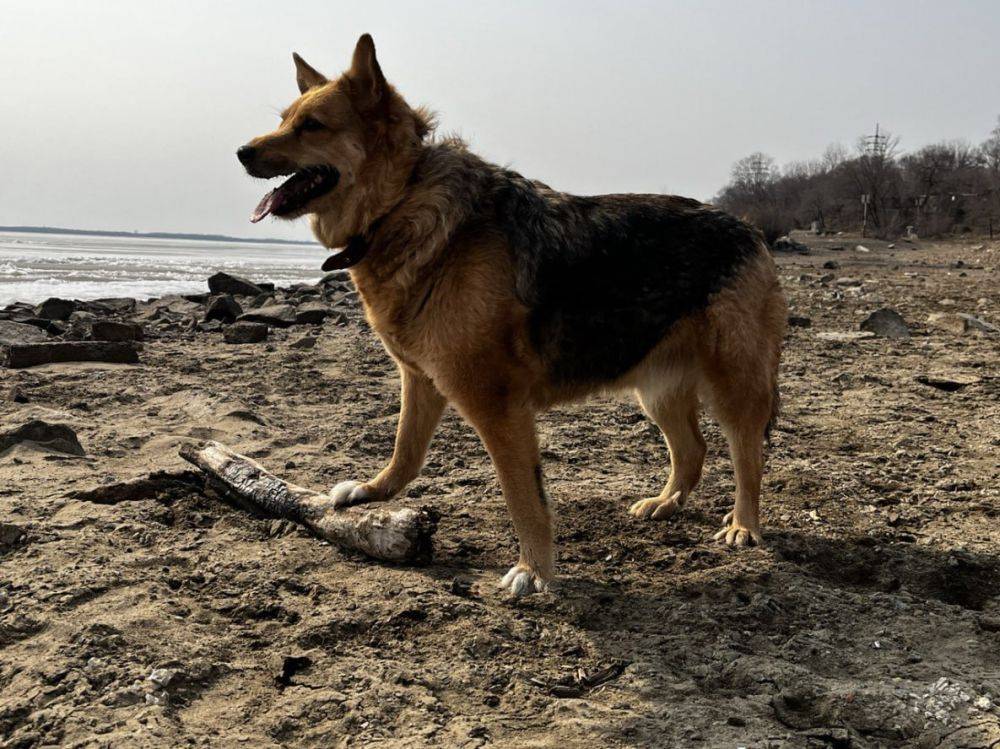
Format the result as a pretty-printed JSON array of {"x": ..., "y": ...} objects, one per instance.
[{"x": 447, "y": 312}]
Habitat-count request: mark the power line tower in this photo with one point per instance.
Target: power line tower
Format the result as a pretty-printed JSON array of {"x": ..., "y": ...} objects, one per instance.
[{"x": 876, "y": 145}]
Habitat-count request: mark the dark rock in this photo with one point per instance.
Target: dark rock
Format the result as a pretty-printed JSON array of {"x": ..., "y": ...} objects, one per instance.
[
  {"x": 787, "y": 244},
  {"x": 334, "y": 278},
  {"x": 311, "y": 313},
  {"x": 277, "y": 315},
  {"x": 16, "y": 395},
  {"x": 199, "y": 298},
  {"x": 10, "y": 535},
  {"x": 116, "y": 305},
  {"x": 794, "y": 321},
  {"x": 17, "y": 332},
  {"x": 306, "y": 342},
  {"x": 223, "y": 283},
  {"x": 948, "y": 383},
  {"x": 245, "y": 332},
  {"x": 57, "y": 437},
  {"x": 266, "y": 285},
  {"x": 224, "y": 309},
  {"x": 262, "y": 300},
  {"x": 33, "y": 354},
  {"x": 886, "y": 323},
  {"x": 211, "y": 326},
  {"x": 55, "y": 309},
  {"x": 111, "y": 330},
  {"x": 831, "y": 265}
]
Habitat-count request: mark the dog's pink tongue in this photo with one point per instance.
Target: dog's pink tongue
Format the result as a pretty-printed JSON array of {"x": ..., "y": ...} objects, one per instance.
[{"x": 267, "y": 204}]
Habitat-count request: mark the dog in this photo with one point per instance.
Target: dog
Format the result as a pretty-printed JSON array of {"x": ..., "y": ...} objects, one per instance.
[{"x": 503, "y": 297}]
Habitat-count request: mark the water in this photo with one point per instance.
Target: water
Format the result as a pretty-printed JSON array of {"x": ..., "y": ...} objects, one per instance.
[{"x": 34, "y": 267}]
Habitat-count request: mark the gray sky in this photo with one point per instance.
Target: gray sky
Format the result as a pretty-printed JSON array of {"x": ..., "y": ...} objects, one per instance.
[{"x": 126, "y": 114}]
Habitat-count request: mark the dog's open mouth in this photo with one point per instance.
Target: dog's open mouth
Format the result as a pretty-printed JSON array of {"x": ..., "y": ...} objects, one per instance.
[{"x": 297, "y": 191}]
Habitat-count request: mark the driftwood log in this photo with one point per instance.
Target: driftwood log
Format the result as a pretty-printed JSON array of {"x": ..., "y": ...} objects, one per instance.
[{"x": 392, "y": 535}]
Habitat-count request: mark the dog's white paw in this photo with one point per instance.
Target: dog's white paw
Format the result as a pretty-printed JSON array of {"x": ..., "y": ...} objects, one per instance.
[
  {"x": 523, "y": 581},
  {"x": 350, "y": 493}
]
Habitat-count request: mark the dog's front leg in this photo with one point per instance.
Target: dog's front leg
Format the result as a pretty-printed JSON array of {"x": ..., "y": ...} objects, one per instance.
[
  {"x": 420, "y": 410},
  {"x": 510, "y": 439}
]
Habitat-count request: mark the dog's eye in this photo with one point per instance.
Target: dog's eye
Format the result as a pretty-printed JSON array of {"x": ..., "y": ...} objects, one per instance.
[{"x": 311, "y": 124}]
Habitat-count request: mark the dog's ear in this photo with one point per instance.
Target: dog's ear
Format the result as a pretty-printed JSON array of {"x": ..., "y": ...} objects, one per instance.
[
  {"x": 306, "y": 75},
  {"x": 365, "y": 75}
]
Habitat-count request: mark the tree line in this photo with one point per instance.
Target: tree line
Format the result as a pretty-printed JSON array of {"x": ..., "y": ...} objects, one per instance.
[{"x": 950, "y": 187}]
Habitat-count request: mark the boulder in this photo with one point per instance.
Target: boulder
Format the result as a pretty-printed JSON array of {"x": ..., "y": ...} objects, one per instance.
[
  {"x": 112, "y": 330},
  {"x": 10, "y": 535},
  {"x": 58, "y": 437},
  {"x": 17, "y": 332},
  {"x": 277, "y": 315},
  {"x": 55, "y": 309},
  {"x": 224, "y": 283},
  {"x": 224, "y": 309},
  {"x": 245, "y": 332},
  {"x": 886, "y": 323},
  {"x": 311, "y": 313}
]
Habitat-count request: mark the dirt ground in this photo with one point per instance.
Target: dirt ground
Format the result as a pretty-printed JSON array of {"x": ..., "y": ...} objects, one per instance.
[{"x": 870, "y": 618}]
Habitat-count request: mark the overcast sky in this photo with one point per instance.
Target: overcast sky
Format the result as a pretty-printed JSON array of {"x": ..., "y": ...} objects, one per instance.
[{"x": 125, "y": 114}]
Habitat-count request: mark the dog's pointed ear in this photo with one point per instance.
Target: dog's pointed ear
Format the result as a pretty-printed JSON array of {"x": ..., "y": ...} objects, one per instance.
[
  {"x": 365, "y": 74},
  {"x": 306, "y": 75}
]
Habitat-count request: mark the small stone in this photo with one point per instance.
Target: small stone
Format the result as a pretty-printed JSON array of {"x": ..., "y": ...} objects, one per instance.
[
  {"x": 245, "y": 332},
  {"x": 311, "y": 313},
  {"x": 10, "y": 535},
  {"x": 795, "y": 321},
  {"x": 886, "y": 323},
  {"x": 861, "y": 248},
  {"x": 831, "y": 265},
  {"x": 162, "y": 677},
  {"x": 306, "y": 342},
  {"x": 848, "y": 281}
]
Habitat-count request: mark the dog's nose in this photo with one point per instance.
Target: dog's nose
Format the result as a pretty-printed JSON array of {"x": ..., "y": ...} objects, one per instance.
[{"x": 245, "y": 154}]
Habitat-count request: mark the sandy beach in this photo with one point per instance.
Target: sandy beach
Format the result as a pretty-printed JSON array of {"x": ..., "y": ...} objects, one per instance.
[{"x": 171, "y": 618}]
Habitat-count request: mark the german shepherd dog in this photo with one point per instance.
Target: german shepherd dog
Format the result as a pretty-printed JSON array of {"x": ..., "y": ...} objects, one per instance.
[{"x": 498, "y": 295}]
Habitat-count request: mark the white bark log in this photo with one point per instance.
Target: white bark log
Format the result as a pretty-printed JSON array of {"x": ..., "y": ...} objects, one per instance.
[{"x": 392, "y": 535}]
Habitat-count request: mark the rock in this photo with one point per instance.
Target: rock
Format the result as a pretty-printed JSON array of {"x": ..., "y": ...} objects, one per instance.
[
  {"x": 55, "y": 309},
  {"x": 831, "y": 265},
  {"x": 277, "y": 315},
  {"x": 224, "y": 283},
  {"x": 111, "y": 330},
  {"x": 948, "y": 382},
  {"x": 844, "y": 336},
  {"x": 886, "y": 323},
  {"x": 48, "y": 326},
  {"x": 847, "y": 281},
  {"x": 10, "y": 535},
  {"x": 58, "y": 437},
  {"x": 162, "y": 677},
  {"x": 861, "y": 248},
  {"x": 306, "y": 342},
  {"x": 224, "y": 309},
  {"x": 311, "y": 313},
  {"x": 334, "y": 278},
  {"x": 115, "y": 305},
  {"x": 787, "y": 244},
  {"x": 16, "y": 395},
  {"x": 794, "y": 321},
  {"x": 890, "y": 246},
  {"x": 956, "y": 322},
  {"x": 211, "y": 326},
  {"x": 33, "y": 354},
  {"x": 17, "y": 332},
  {"x": 245, "y": 332}
]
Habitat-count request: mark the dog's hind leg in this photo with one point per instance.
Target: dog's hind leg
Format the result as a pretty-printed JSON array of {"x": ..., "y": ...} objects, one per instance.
[
  {"x": 421, "y": 407},
  {"x": 675, "y": 411}
]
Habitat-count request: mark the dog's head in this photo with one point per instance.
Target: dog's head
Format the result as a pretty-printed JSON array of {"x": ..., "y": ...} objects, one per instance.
[{"x": 345, "y": 145}]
